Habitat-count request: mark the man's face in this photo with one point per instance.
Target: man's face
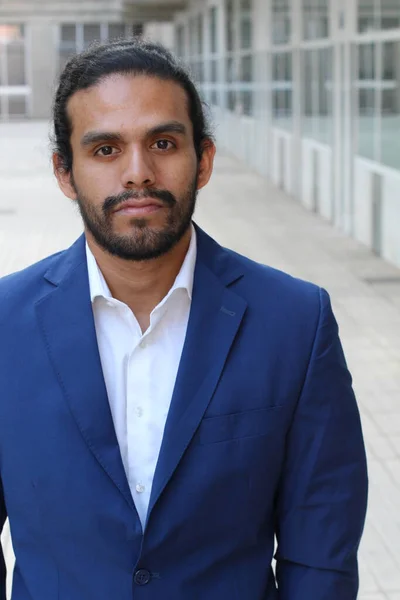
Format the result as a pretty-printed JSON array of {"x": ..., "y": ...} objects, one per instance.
[{"x": 135, "y": 170}]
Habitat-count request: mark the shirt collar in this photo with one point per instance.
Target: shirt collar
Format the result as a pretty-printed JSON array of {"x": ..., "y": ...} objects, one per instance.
[{"x": 184, "y": 280}]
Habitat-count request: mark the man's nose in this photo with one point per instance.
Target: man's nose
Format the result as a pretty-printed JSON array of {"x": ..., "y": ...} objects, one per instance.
[{"x": 138, "y": 169}]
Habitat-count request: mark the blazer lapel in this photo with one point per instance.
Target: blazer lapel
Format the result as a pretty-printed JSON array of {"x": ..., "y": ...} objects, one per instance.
[
  {"x": 215, "y": 317},
  {"x": 67, "y": 324}
]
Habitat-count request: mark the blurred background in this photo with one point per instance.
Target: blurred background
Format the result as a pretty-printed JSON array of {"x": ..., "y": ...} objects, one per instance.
[
  {"x": 311, "y": 88},
  {"x": 305, "y": 100}
]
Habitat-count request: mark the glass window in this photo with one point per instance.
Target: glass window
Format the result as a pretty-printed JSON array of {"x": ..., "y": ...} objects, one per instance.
[
  {"x": 192, "y": 36},
  {"x": 282, "y": 89},
  {"x": 180, "y": 40},
  {"x": 230, "y": 30},
  {"x": 15, "y": 52},
  {"x": 367, "y": 16},
  {"x": 199, "y": 34},
  {"x": 390, "y": 105},
  {"x": 17, "y": 106},
  {"x": 247, "y": 103},
  {"x": 389, "y": 14},
  {"x": 12, "y": 55},
  {"x": 214, "y": 71},
  {"x": 230, "y": 70},
  {"x": 214, "y": 29},
  {"x": 315, "y": 19},
  {"x": 317, "y": 94},
  {"x": 281, "y": 21},
  {"x": 231, "y": 100},
  {"x": 116, "y": 31},
  {"x": 11, "y": 33},
  {"x": 137, "y": 30},
  {"x": 91, "y": 33},
  {"x": 246, "y": 34},
  {"x": 367, "y": 100},
  {"x": 366, "y": 66},
  {"x": 378, "y": 14},
  {"x": 68, "y": 34},
  {"x": 247, "y": 69},
  {"x": 246, "y": 24}
]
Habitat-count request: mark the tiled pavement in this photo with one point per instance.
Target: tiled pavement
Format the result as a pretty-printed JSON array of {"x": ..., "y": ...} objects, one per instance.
[{"x": 244, "y": 212}]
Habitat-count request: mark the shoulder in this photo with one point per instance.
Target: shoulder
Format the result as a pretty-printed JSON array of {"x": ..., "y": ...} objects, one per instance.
[
  {"x": 24, "y": 286},
  {"x": 274, "y": 297},
  {"x": 266, "y": 281}
]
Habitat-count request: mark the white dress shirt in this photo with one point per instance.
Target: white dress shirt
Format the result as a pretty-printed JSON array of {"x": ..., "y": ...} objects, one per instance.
[{"x": 140, "y": 369}]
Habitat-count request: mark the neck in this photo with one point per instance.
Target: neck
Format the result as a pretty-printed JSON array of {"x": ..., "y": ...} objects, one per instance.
[{"x": 141, "y": 285}]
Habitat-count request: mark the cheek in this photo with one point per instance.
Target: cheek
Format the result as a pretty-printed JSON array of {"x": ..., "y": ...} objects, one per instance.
[
  {"x": 179, "y": 177},
  {"x": 93, "y": 184}
]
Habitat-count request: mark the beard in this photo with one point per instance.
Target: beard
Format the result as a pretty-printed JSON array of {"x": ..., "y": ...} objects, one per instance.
[{"x": 143, "y": 242}]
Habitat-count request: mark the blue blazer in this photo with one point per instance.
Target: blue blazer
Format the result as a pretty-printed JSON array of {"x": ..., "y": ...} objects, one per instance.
[{"x": 263, "y": 439}]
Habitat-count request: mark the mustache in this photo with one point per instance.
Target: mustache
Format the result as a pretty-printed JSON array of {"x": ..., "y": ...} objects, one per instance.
[{"x": 112, "y": 202}]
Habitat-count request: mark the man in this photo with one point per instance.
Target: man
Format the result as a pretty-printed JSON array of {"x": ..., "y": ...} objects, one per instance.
[{"x": 168, "y": 407}]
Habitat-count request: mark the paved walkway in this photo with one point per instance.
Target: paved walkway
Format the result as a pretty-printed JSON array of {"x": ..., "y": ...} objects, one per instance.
[{"x": 244, "y": 212}]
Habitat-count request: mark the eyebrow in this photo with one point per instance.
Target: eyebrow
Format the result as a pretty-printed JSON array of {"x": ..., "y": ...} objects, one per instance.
[{"x": 95, "y": 137}]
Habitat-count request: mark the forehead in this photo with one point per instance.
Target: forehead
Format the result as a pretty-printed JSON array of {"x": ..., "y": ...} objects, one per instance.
[{"x": 136, "y": 102}]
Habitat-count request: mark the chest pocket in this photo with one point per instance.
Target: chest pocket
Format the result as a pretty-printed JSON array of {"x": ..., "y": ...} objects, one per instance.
[{"x": 252, "y": 423}]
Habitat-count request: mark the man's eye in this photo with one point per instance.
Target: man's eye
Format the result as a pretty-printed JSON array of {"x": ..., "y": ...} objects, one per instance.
[
  {"x": 105, "y": 151},
  {"x": 163, "y": 145}
]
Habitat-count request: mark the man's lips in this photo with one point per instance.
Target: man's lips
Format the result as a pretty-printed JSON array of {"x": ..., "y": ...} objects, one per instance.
[{"x": 136, "y": 207}]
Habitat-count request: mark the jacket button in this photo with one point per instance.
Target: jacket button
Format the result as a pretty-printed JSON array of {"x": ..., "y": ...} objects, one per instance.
[{"x": 142, "y": 577}]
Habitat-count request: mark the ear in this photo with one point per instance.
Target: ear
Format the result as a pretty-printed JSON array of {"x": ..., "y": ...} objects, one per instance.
[
  {"x": 206, "y": 163},
  {"x": 64, "y": 177}
]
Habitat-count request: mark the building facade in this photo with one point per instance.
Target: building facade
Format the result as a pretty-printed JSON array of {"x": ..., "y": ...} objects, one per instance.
[
  {"x": 38, "y": 36},
  {"x": 307, "y": 93}
]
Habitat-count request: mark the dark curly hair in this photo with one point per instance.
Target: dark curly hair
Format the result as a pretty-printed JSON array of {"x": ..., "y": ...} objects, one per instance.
[{"x": 125, "y": 56}]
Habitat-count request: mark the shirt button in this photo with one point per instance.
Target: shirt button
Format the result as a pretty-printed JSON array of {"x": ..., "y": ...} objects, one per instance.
[
  {"x": 139, "y": 411},
  {"x": 140, "y": 488},
  {"x": 143, "y": 344},
  {"x": 142, "y": 577}
]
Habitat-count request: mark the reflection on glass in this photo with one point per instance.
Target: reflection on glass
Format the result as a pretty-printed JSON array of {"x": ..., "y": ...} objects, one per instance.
[
  {"x": 91, "y": 33},
  {"x": 367, "y": 67},
  {"x": 17, "y": 106},
  {"x": 68, "y": 34},
  {"x": 317, "y": 94},
  {"x": 11, "y": 33},
  {"x": 281, "y": 21},
  {"x": 231, "y": 100},
  {"x": 282, "y": 89},
  {"x": 199, "y": 34},
  {"x": 246, "y": 24},
  {"x": 247, "y": 69},
  {"x": 192, "y": 36},
  {"x": 12, "y": 55},
  {"x": 214, "y": 71},
  {"x": 378, "y": 14},
  {"x": 180, "y": 41},
  {"x": 367, "y": 16},
  {"x": 16, "y": 64},
  {"x": 367, "y": 100},
  {"x": 390, "y": 105},
  {"x": 230, "y": 41},
  {"x": 247, "y": 104},
  {"x": 116, "y": 31},
  {"x": 246, "y": 34},
  {"x": 213, "y": 29},
  {"x": 315, "y": 19},
  {"x": 214, "y": 98},
  {"x": 390, "y": 14}
]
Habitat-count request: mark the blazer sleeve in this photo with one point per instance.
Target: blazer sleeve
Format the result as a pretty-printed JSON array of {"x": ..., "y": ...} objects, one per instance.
[
  {"x": 322, "y": 500},
  {"x": 3, "y": 573}
]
